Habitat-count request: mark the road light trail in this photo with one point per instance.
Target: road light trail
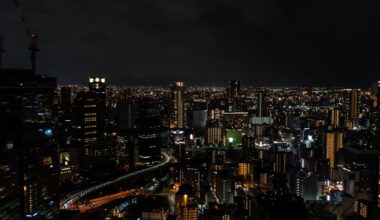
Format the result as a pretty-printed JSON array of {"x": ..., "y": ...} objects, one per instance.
[{"x": 66, "y": 203}]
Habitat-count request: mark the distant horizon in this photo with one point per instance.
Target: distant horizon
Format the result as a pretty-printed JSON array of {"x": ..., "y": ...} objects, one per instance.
[
  {"x": 218, "y": 86},
  {"x": 83, "y": 82}
]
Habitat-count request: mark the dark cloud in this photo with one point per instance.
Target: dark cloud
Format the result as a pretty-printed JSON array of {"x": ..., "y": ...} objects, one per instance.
[{"x": 260, "y": 42}]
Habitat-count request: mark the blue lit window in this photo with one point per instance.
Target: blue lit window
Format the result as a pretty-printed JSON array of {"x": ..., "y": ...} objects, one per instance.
[{"x": 48, "y": 132}]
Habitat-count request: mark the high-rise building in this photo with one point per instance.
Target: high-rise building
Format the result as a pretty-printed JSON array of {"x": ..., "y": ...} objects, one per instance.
[
  {"x": 90, "y": 108},
  {"x": 224, "y": 187},
  {"x": 214, "y": 132},
  {"x": 233, "y": 89},
  {"x": 260, "y": 106},
  {"x": 97, "y": 92},
  {"x": 334, "y": 142},
  {"x": 97, "y": 85},
  {"x": 178, "y": 117},
  {"x": 127, "y": 113},
  {"x": 335, "y": 118},
  {"x": 86, "y": 119},
  {"x": 28, "y": 147},
  {"x": 279, "y": 157},
  {"x": 354, "y": 104}
]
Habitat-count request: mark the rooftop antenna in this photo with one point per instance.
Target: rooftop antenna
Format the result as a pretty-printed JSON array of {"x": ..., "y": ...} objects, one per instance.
[
  {"x": 33, "y": 51},
  {"x": 1, "y": 48}
]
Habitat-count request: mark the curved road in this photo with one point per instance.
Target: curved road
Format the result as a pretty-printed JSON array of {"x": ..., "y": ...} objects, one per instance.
[{"x": 65, "y": 204}]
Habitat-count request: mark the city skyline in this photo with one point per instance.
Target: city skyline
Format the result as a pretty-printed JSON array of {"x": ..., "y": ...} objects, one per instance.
[{"x": 189, "y": 110}]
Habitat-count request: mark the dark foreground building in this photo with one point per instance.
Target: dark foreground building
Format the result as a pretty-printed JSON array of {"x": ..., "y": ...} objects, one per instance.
[{"x": 28, "y": 148}]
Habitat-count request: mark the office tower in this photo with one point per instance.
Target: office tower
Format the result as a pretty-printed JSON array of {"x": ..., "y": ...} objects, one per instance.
[
  {"x": 224, "y": 187},
  {"x": 90, "y": 108},
  {"x": 354, "y": 104},
  {"x": 177, "y": 109},
  {"x": 279, "y": 158},
  {"x": 127, "y": 113},
  {"x": 28, "y": 147},
  {"x": 86, "y": 118},
  {"x": 97, "y": 86},
  {"x": 245, "y": 204},
  {"x": 303, "y": 184},
  {"x": 334, "y": 142},
  {"x": 97, "y": 92},
  {"x": 260, "y": 105},
  {"x": 233, "y": 89},
  {"x": 335, "y": 118}
]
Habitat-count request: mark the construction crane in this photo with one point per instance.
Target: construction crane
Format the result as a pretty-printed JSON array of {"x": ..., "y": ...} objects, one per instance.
[
  {"x": 21, "y": 15},
  {"x": 33, "y": 46}
]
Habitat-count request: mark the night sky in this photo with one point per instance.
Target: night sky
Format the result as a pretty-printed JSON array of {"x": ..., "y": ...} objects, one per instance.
[{"x": 203, "y": 42}]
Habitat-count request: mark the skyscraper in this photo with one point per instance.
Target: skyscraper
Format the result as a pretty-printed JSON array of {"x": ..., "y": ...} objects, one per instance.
[
  {"x": 127, "y": 113},
  {"x": 90, "y": 110},
  {"x": 334, "y": 142},
  {"x": 97, "y": 92},
  {"x": 335, "y": 118},
  {"x": 177, "y": 108},
  {"x": 214, "y": 132},
  {"x": 354, "y": 102}
]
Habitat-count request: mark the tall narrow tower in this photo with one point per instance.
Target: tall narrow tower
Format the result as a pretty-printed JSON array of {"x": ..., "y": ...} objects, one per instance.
[
  {"x": 177, "y": 108},
  {"x": 354, "y": 104},
  {"x": 335, "y": 117}
]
